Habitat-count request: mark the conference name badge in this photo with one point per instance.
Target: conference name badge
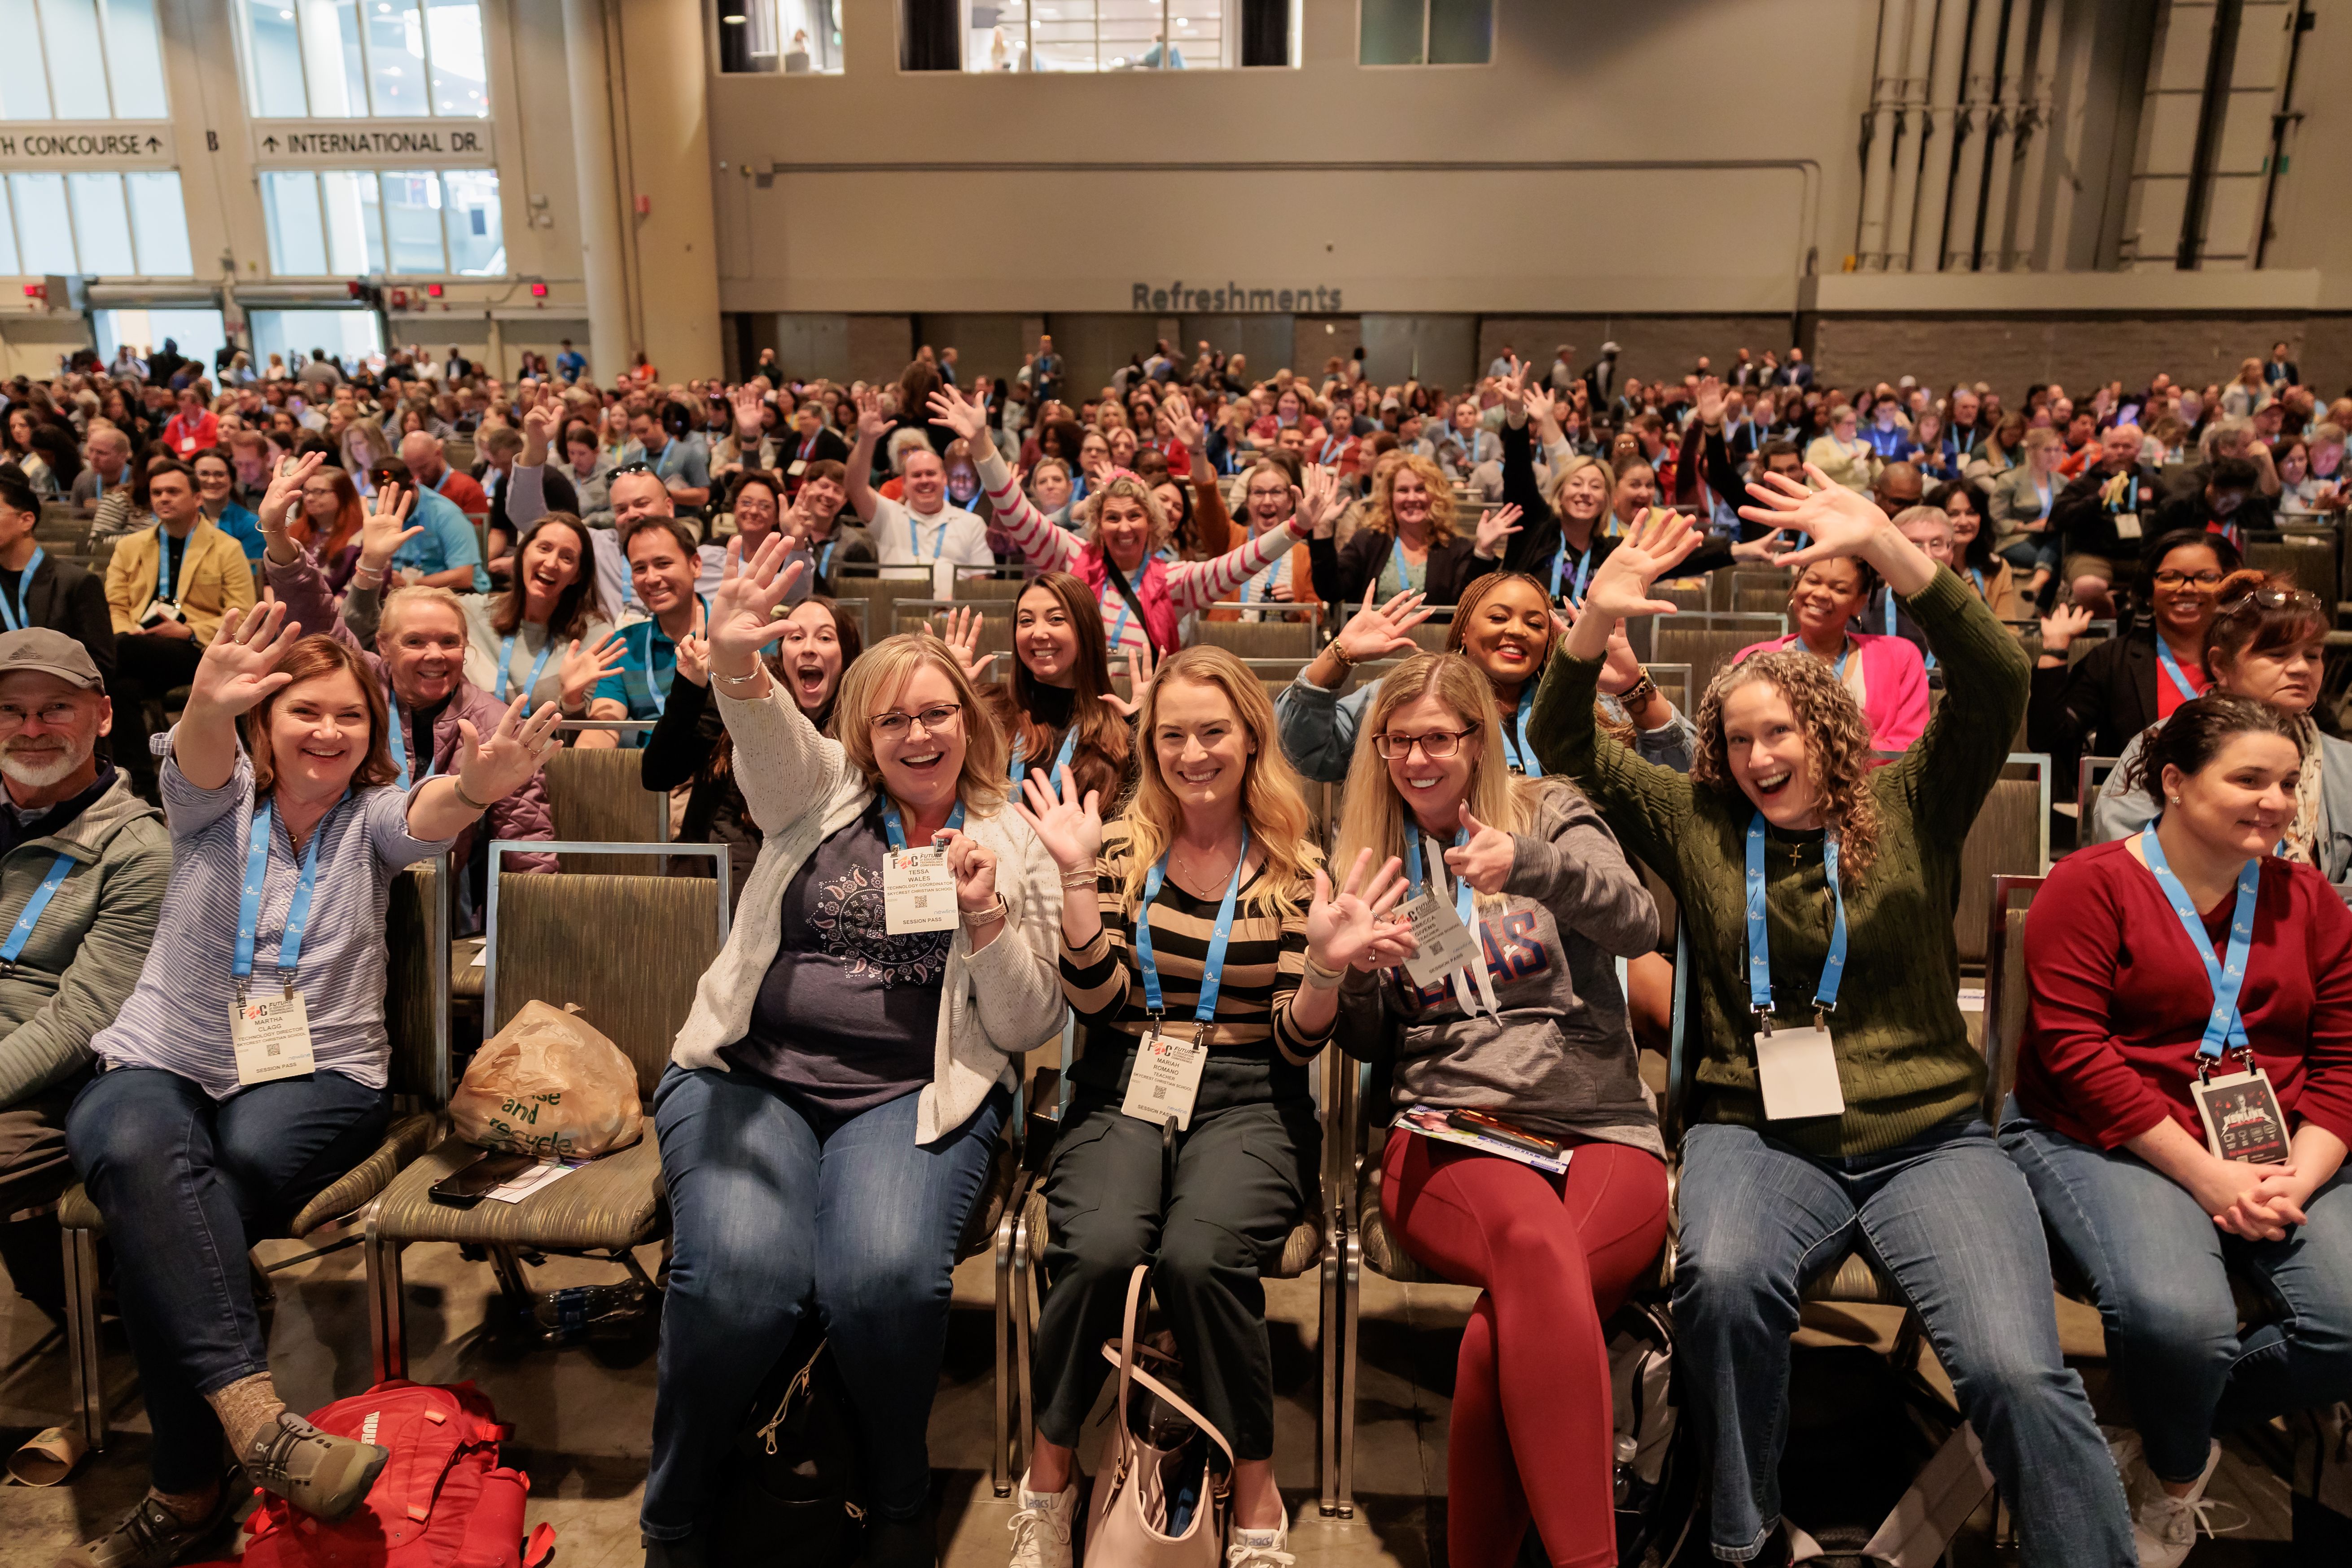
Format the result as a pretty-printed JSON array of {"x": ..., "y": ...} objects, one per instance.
[
  {"x": 2127, "y": 525},
  {"x": 1798, "y": 1071},
  {"x": 1166, "y": 1080},
  {"x": 2241, "y": 1117},
  {"x": 270, "y": 1031},
  {"x": 1445, "y": 944},
  {"x": 799, "y": 467},
  {"x": 917, "y": 893}
]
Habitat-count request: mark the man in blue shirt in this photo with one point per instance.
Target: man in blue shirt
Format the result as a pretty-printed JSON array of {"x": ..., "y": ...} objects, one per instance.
[
  {"x": 663, "y": 565},
  {"x": 679, "y": 462},
  {"x": 571, "y": 364},
  {"x": 448, "y": 554}
]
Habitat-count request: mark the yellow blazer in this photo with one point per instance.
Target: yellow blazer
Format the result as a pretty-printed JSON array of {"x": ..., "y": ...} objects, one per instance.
[{"x": 213, "y": 575}]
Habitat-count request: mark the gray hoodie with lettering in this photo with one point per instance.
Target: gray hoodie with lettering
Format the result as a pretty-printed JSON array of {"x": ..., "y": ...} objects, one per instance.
[{"x": 1560, "y": 1059}]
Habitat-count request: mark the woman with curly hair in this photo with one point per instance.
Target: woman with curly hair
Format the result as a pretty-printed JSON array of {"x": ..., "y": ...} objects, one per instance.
[
  {"x": 1407, "y": 543},
  {"x": 1825, "y": 1118}
]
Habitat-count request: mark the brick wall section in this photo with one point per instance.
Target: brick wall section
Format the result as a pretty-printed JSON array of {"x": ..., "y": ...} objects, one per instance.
[
  {"x": 1650, "y": 346},
  {"x": 2077, "y": 352},
  {"x": 880, "y": 346},
  {"x": 1311, "y": 346}
]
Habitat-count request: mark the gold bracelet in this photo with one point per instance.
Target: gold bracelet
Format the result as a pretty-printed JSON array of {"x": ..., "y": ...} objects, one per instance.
[
  {"x": 1076, "y": 880},
  {"x": 1336, "y": 651}
]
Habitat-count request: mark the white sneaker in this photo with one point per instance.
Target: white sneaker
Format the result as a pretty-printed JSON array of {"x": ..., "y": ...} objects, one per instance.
[
  {"x": 1260, "y": 1548},
  {"x": 2165, "y": 1526},
  {"x": 1040, "y": 1526},
  {"x": 2130, "y": 1456}
]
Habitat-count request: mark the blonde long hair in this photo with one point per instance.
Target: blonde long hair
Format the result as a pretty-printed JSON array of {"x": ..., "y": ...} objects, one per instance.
[
  {"x": 1374, "y": 817},
  {"x": 1382, "y": 519},
  {"x": 872, "y": 682},
  {"x": 1273, "y": 803},
  {"x": 1127, "y": 487}
]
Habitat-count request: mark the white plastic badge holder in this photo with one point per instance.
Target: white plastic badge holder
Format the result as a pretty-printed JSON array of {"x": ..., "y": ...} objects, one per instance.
[
  {"x": 2241, "y": 1117},
  {"x": 271, "y": 1034},
  {"x": 1166, "y": 1080},
  {"x": 1445, "y": 947},
  {"x": 917, "y": 893},
  {"x": 2127, "y": 525},
  {"x": 1445, "y": 944},
  {"x": 1798, "y": 1070},
  {"x": 796, "y": 467}
]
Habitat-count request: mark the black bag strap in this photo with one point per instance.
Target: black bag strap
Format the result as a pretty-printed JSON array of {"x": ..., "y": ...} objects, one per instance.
[{"x": 1134, "y": 602}]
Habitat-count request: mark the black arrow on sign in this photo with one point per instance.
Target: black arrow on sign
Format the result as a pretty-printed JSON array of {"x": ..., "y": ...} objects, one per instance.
[
  {"x": 154, "y": 143},
  {"x": 270, "y": 143}
]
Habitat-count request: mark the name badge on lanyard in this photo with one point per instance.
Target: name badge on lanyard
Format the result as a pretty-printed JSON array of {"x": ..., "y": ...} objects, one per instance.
[
  {"x": 1522, "y": 754},
  {"x": 1796, "y": 1068},
  {"x": 1445, "y": 948},
  {"x": 271, "y": 1034},
  {"x": 918, "y": 889},
  {"x": 1166, "y": 1079},
  {"x": 2239, "y": 1110}
]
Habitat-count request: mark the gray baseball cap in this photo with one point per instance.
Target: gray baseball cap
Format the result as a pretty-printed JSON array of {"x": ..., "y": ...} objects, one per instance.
[{"x": 50, "y": 653}]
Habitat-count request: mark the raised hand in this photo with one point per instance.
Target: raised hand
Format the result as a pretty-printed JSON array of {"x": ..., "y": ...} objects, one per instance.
[
  {"x": 1514, "y": 390},
  {"x": 694, "y": 659},
  {"x": 583, "y": 668},
  {"x": 1345, "y": 928},
  {"x": 747, "y": 403},
  {"x": 961, "y": 632},
  {"x": 742, "y": 617},
  {"x": 1620, "y": 588},
  {"x": 1070, "y": 828},
  {"x": 1484, "y": 860},
  {"x": 1184, "y": 424},
  {"x": 1142, "y": 664},
  {"x": 491, "y": 770},
  {"x": 284, "y": 492},
  {"x": 1314, "y": 502},
  {"x": 965, "y": 414},
  {"x": 1769, "y": 548},
  {"x": 973, "y": 866},
  {"x": 872, "y": 423},
  {"x": 383, "y": 531},
  {"x": 541, "y": 421},
  {"x": 1372, "y": 634},
  {"x": 2062, "y": 626},
  {"x": 1545, "y": 410},
  {"x": 1838, "y": 521},
  {"x": 1493, "y": 527},
  {"x": 240, "y": 668},
  {"x": 1709, "y": 402}
]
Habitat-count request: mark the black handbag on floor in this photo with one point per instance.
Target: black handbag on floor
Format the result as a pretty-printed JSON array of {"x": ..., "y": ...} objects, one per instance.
[{"x": 790, "y": 1491}]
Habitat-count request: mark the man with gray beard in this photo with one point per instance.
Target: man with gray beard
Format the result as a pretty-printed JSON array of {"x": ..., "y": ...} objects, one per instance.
[{"x": 83, "y": 862}]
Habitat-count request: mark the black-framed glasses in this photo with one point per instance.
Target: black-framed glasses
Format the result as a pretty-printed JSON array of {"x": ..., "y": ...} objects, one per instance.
[
  {"x": 2171, "y": 578},
  {"x": 1438, "y": 745},
  {"x": 938, "y": 716}
]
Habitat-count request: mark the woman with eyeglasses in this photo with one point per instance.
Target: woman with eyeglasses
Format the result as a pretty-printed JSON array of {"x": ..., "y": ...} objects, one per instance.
[
  {"x": 2184, "y": 1090},
  {"x": 2096, "y": 705},
  {"x": 2267, "y": 640},
  {"x": 1837, "y": 1098},
  {"x": 835, "y": 1099},
  {"x": 1534, "y": 1031},
  {"x": 1199, "y": 920}
]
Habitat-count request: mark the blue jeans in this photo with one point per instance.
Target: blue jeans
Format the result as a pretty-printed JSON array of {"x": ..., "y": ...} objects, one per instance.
[
  {"x": 1949, "y": 1220},
  {"x": 2158, "y": 1267},
  {"x": 769, "y": 1217},
  {"x": 187, "y": 1186}
]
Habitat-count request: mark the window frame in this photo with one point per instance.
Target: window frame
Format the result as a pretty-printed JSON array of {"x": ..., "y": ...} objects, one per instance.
[
  {"x": 1424, "y": 63},
  {"x": 383, "y": 238},
  {"x": 101, "y": 19},
  {"x": 716, "y": 23},
  {"x": 73, "y": 237},
  {"x": 1228, "y": 37},
  {"x": 247, "y": 64}
]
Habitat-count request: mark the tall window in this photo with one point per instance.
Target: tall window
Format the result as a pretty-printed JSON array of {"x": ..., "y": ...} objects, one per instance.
[
  {"x": 343, "y": 223},
  {"x": 353, "y": 59},
  {"x": 1098, "y": 35},
  {"x": 1426, "y": 33},
  {"x": 122, "y": 225},
  {"x": 81, "y": 59},
  {"x": 796, "y": 37}
]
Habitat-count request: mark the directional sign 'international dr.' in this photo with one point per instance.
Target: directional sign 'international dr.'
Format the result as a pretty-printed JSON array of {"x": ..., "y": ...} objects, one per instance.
[
  {"x": 372, "y": 144},
  {"x": 70, "y": 146}
]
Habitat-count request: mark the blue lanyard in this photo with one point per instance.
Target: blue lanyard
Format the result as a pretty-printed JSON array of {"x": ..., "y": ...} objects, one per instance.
[
  {"x": 1583, "y": 572},
  {"x": 506, "y": 665},
  {"x": 1523, "y": 755},
  {"x": 1396, "y": 557},
  {"x": 1069, "y": 745},
  {"x": 1462, "y": 889},
  {"x": 18, "y": 616},
  {"x": 400, "y": 741},
  {"x": 164, "y": 562},
  {"x": 2224, "y": 1030},
  {"x": 31, "y": 913},
  {"x": 1118, "y": 628},
  {"x": 1211, "y": 966},
  {"x": 896, "y": 828},
  {"x": 2173, "y": 672},
  {"x": 915, "y": 537},
  {"x": 657, "y": 685},
  {"x": 297, "y": 912},
  {"x": 1331, "y": 442},
  {"x": 1975, "y": 576},
  {"x": 1930, "y": 662},
  {"x": 824, "y": 561},
  {"x": 2043, "y": 492},
  {"x": 1760, "y": 954},
  {"x": 1837, "y": 670}
]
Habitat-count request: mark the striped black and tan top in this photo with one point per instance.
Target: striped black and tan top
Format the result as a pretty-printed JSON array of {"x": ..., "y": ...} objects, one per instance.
[{"x": 1256, "y": 1054}]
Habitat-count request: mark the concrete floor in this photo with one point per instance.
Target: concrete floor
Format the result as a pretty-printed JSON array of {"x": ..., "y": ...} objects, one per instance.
[{"x": 583, "y": 1414}]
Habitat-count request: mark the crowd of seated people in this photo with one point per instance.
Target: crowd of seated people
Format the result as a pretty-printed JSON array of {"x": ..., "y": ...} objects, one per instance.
[{"x": 329, "y": 649}]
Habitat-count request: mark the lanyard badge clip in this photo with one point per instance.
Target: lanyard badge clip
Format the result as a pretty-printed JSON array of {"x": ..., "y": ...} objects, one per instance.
[{"x": 1763, "y": 1020}]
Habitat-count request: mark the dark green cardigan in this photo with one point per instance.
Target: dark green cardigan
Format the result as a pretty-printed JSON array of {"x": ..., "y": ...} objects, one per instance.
[{"x": 1904, "y": 1056}]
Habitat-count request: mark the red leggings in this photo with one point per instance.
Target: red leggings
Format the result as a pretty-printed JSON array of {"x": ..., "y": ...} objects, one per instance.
[{"x": 1533, "y": 1428}]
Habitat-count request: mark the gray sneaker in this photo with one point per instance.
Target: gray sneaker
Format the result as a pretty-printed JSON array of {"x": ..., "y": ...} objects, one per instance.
[
  {"x": 152, "y": 1536},
  {"x": 325, "y": 1477}
]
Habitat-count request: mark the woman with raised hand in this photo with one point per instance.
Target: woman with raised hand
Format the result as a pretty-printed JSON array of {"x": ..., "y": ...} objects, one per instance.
[
  {"x": 1057, "y": 708},
  {"x": 1533, "y": 1030},
  {"x": 1407, "y": 543},
  {"x": 2267, "y": 640},
  {"x": 1504, "y": 627},
  {"x": 2184, "y": 1097},
  {"x": 1121, "y": 557},
  {"x": 1202, "y": 948},
  {"x": 1827, "y": 1115},
  {"x": 1883, "y": 672},
  {"x": 835, "y": 1096},
  {"x": 247, "y": 1071}
]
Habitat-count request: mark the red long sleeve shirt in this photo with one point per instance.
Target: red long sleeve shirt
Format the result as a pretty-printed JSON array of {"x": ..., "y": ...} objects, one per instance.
[{"x": 2119, "y": 999}]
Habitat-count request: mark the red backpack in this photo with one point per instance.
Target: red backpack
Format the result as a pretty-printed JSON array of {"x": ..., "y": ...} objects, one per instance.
[{"x": 443, "y": 1502}]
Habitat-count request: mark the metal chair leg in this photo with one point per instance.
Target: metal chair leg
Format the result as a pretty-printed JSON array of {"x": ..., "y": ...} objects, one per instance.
[
  {"x": 1000, "y": 1453},
  {"x": 1327, "y": 1429},
  {"x": 80, "y": 1248},
  {"x": 1350, "y": 1374},
  {"x": 1025, "y": 1416},
  {"x": 387, "y": 1306}
]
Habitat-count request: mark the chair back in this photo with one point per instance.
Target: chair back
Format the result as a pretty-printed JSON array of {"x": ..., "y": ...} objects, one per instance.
[
  {"x": 2008, "y": 987},
  {"x": 2090, "y": 778},
  {"x": 2010, "y": 837},
  {"x": 1683, "y": 1047},
  {"x": 1001, "y": 586},
  {"x": 1761, "y": 600},
  {"x": 1260, "y": 640},
  {"x": 2308, "y": 558},
  {"x": 416, "y": 981},
  {"x": 598, "y": 797},
  {"x": 581, "y": 938},
  {"x": 1673, "y": 682},
  {"x": 1708, "y": 642},
  {"x": 1699, "y": 595}
]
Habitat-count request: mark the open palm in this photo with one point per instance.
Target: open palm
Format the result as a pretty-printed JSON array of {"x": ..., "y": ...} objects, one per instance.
[
  {"x": 1837, "y": 520},
  {"x": 1070, "y": 828},
  {"x": 1345, "y": 926},
  {"x": 1622, "y": 587},
  {"x": 240, "y": 668},
  {"x": 742, "y": 617}
]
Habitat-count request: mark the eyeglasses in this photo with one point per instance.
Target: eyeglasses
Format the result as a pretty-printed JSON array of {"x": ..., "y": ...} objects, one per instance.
[
  {"x": 2271, "y": 599},
  {"x": 2172, "y": 579},
  {"x": 56, "y": 715},
  {"x": 1438, "y": 745},
  {"x": 934, "y": 719}
]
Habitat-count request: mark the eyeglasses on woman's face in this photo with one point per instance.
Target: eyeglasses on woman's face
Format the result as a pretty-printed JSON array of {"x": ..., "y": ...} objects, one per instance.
[
  {"x": 1436, "y": 746},
  {"x": 936, "y": 719},
  {"x": 2172, "y": 577}
]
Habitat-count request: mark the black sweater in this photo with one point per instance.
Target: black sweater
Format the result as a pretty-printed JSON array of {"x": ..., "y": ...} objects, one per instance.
[
  {"x": 1540, "y": 540},
  {"x": 1342, "y": 576}
]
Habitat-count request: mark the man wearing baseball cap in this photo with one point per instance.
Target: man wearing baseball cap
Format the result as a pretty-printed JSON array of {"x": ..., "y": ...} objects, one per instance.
[{"x": 83, "y": 861}]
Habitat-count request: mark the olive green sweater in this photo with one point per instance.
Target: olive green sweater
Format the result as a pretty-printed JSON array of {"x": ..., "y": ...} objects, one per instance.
[{"x": 1904, "y": 1057}]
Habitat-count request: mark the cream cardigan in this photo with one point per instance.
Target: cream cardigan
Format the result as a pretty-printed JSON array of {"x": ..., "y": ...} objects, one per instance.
[{"x": 998, "y": 1003}]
